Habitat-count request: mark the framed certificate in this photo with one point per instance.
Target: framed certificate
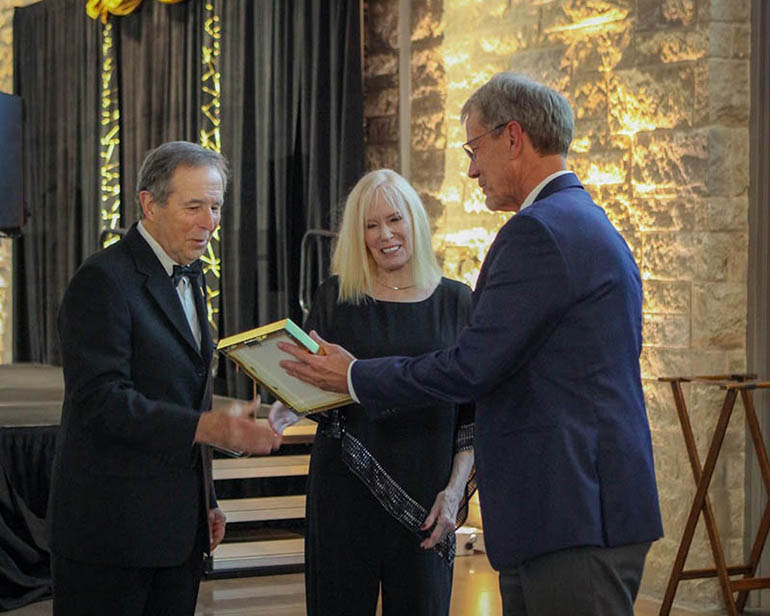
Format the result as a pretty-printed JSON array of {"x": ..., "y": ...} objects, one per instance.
[{"x": 256, "y": 352}]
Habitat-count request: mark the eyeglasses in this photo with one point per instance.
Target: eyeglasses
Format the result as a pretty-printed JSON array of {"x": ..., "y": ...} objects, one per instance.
[{"x": 467, "y": 145}]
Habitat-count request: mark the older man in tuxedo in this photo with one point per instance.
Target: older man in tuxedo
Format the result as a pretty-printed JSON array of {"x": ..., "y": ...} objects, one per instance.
[
  {"x": 132, "y": 505},
  {"x": 551, "y": 358}
]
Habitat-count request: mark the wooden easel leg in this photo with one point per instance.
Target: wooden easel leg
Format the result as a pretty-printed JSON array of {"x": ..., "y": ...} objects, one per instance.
[
  {"x": 684, "y": 544},
  {"x": 756, "y": 552},
  {"x": 700, "y": 494},
  {"x": 676, "y": 571},
  {"x": 701, "y": 502},
  {"x": 764, "y": 468}
]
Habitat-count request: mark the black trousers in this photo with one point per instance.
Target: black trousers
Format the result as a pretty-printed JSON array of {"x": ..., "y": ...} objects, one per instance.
[
  {"x": 354, "y": 547},
  {"x": 583, "y": 581},
  {"x": 85, "y": 589}
]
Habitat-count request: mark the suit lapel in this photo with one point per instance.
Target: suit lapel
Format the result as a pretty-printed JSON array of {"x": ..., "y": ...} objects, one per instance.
[
  {"x": 168, "y": 301},
  {"x": 207, "y": 345},
  {"x": 562, "y": 182},
  {"x": 159, "y": 286},
  {"x": 567, "y": 180}
]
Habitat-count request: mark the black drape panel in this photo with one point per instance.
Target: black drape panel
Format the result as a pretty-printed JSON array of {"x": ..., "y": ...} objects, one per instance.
[
  {"x": 159, "y": 68},
  {"x": 26, "y": 458},
  {"x": 56, "y": 72},
  {"x": 292, "y": 125}
]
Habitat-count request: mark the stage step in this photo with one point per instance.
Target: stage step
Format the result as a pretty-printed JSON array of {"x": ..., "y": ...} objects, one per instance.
[
  {"x": 277, "y": 551},
  {"x": 264, "y": 508},
  {"x": 266, "y": 466},
  {"x": 258, "y": 554},
  {"x": 301, "y": 432}
]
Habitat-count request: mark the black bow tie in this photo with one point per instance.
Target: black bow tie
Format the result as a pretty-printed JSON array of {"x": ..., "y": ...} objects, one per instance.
[{"x": 192, "y": 272}]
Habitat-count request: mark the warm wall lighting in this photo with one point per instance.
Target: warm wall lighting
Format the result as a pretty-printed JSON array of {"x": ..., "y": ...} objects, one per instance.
[{"x": 612, "y": 108}]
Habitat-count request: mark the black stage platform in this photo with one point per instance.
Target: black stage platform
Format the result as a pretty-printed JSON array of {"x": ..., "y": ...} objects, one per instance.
[{"x": 30, "y": 409}]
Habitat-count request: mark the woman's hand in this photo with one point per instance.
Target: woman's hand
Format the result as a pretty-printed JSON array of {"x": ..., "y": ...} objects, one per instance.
[
  {"x": 441, "y": 518},
  {"x": 443, "y": 514},
  {"x": 281, "y": 417}
]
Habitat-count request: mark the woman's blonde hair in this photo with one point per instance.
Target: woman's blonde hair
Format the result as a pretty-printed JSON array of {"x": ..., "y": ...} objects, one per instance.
[{"x": 351, "y": 261}]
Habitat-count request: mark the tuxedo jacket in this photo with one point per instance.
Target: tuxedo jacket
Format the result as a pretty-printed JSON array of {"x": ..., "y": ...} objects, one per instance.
[
  {"x": 129, "y": 486},
  {"x": 551, "y": 358}
]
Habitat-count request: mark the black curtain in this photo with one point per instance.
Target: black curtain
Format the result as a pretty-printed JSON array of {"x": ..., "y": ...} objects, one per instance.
[
  {"x": 26, "y": 458},
  {"x": 159, "y": 67},
  {"x": 292, "y": 126},
  {"x": 56, "y": 72}
]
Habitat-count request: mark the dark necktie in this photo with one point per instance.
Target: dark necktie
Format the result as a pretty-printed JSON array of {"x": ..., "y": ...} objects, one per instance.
[{"x": 192, "y": 271}]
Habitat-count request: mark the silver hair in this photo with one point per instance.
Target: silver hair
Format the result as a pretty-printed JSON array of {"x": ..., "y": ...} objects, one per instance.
[
  {"x": 159, "y": 166},
  {"x": 544, "y": 114}
]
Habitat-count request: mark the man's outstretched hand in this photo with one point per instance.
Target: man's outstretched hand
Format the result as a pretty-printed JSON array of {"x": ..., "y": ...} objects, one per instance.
[
  {"x": 236, "y": 428},
  {"x": 327, "y": 370}
]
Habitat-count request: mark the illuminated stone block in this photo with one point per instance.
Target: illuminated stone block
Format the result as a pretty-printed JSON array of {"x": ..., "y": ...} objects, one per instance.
[{"x": 718, "y": 315}]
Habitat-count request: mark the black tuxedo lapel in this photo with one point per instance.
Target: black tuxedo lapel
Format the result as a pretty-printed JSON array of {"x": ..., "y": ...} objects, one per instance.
[
  {"x": 200, "y": 294},
  {"x": 165, "y": 295},
  {"x": 207, "y": 350},
  {"x": 159, "y": 286}
]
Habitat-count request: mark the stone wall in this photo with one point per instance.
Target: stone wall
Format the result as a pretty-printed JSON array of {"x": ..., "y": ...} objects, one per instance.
[
  {"x": 428, "y": 102},
  {"x": 381, "y": 93},
  {"x": 660, "y": 92},
  {"x": 381, "y": 84}
]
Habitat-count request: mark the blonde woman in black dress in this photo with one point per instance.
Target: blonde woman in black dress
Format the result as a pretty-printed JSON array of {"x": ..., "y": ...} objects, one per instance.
[{"x": 384, "y": 497}]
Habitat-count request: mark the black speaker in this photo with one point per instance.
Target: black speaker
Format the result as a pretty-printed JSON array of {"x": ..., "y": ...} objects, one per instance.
[{"x": 12, "y": 212}]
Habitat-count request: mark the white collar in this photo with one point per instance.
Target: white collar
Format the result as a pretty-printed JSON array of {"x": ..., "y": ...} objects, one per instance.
[
  {"x": 536, "y": 190},
  {"x": 167, "y": 262}
]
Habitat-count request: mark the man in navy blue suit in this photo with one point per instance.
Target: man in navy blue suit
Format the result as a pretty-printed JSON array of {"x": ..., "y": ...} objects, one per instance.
[{"x": 551, "y": 358}]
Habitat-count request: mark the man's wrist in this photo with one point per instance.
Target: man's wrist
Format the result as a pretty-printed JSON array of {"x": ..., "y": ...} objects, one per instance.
[
  {"x": 351, "y": 390},
  {"x": 207, "y": 429}
]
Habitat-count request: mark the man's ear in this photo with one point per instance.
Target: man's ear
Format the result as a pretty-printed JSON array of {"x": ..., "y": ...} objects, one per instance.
[
  {"x": 514, "y": 136},
  {"x": 148, "y": 204}
]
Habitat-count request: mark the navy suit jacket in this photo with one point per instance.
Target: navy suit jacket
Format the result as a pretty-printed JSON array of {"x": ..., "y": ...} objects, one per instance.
[
  {"x": 551, "y": 358},
  {"x": 129, "y": 485}
]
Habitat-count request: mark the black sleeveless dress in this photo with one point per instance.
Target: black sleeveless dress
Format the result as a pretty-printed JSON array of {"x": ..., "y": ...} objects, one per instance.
[{"x": 372, "y": 484}]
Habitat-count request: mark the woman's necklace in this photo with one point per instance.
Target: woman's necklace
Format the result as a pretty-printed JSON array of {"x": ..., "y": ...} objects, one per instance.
[{"x": 411, "y": 286}]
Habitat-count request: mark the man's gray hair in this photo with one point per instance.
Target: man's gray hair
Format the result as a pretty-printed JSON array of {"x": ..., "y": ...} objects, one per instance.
[
  {"x": 159, "y": 166},
  {"x": 544, "y": 114}
]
